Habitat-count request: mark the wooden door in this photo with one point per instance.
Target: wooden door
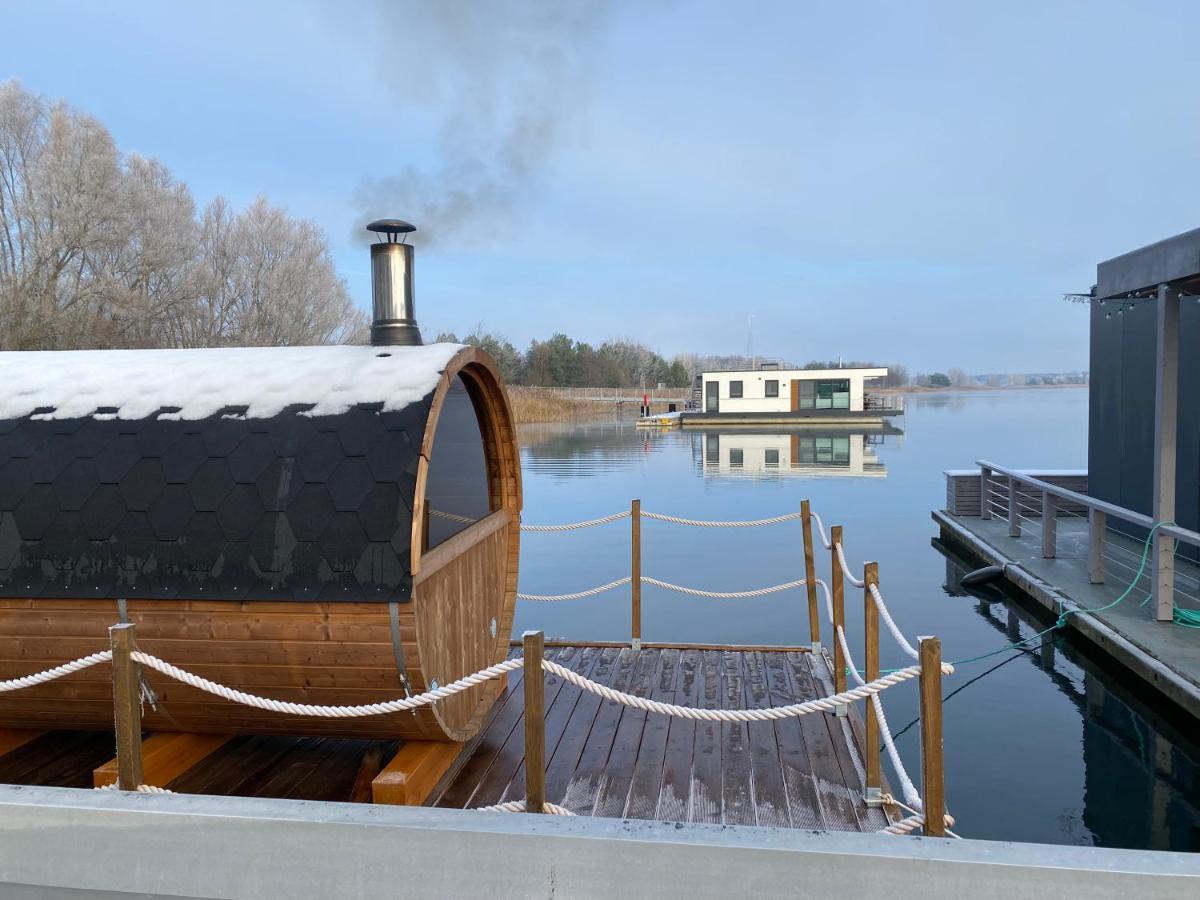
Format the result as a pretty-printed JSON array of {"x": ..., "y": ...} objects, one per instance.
[{"x": 795, "y": 395}]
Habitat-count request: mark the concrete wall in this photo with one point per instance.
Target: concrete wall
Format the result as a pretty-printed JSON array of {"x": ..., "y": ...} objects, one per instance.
[
  {"x": 754, "y": 397},
  {"x": 1121, "y": 420},
  {"x": 59, "y": 842}
]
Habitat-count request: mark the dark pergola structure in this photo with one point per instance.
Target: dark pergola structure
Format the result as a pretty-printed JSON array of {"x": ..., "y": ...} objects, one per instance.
[{"x": 1160, "y": 273}]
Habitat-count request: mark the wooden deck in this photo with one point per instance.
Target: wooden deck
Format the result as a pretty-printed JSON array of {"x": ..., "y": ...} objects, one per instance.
[
  {"x": 602, "y": 758},
  {"x": 605, "y": 759}
]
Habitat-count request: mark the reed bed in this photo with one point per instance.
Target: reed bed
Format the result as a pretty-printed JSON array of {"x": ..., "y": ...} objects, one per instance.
[{"x": 530, "y": 404}]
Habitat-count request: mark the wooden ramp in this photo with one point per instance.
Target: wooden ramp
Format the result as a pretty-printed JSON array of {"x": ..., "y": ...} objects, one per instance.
[{"x": 608, "y": 760}]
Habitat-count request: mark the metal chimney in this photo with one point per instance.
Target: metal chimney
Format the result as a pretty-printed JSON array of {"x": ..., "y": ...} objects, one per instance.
[{"x": 394, "y": 321}]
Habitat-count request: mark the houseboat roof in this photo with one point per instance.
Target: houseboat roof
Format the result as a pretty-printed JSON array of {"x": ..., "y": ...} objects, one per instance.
[
  {"x": 1174, "y": 260},
  {"x": 872, "y": 372},
  {"x": 257, "y": 382}
]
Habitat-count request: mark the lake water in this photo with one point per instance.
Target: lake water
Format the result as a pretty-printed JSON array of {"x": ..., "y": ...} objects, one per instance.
[{"x": 1043, "y": 745}]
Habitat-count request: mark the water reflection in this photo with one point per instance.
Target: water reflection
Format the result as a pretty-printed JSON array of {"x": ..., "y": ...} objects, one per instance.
[
  {"x": 799, "y": 452},
  {"x": 1140, "y": 770}
]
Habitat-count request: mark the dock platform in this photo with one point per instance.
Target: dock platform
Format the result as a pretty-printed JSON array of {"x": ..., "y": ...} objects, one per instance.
[
  {"x": 1166, "y": 657},
  {"x": 602, "y": 759}
]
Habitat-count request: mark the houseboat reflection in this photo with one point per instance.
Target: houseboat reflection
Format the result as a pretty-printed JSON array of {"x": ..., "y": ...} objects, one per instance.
[{"x": 799, "y": 452}]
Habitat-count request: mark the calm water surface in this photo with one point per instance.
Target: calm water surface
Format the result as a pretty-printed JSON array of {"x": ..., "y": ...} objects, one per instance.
[{"x": 1044, "y": 745}]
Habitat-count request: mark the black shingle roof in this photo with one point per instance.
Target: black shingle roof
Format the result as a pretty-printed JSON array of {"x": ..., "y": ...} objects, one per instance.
[{"x": 291, "y": 507}]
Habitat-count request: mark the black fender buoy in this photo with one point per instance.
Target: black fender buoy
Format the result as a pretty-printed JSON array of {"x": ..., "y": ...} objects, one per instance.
[{"x": 986, "y": 575}]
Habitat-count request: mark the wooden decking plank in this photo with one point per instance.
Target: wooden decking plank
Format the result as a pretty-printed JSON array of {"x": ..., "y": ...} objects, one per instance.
[
  {"x": 229, "y": 768},
  {"x": 557, "y": 716},
  {"x": 804, "y": 804},
  {"x": 676, "y": 788},
  {"x": 836, "y": 803},
  {"x": 613, "y": 794},
  {"x": 770, "y": 798},
  {"x": 705, "y": 791},
  {"x": 57, "y": 758},
  {"x": 847, "y": 753},
  {"x": 737, "y": 797},
  {"x": 561, "y": 766},
  {"x": 648, "y": 769},
  {"x": 496, "y": 732},
  {"x": 582, "y": 792}
]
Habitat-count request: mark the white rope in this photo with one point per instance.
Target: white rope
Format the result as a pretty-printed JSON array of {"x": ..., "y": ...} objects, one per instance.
[
  {"x": 841, "y": 555},
  {"x": 140, "y": 789},
  {"x": 892, "y": 627},
  {"x": 821, "y": 704},
  {"x": 519, "y": 806},
  {"x": 724, "y": 595},
  {"x": 328, "y": 712},
  {"x": 821, "y": 530},
  {"x": 911, "y": 794},
  {"x": 78, "y": 665},
  {"x": 702, "y": 523},
  {"x": 590, "y": 523},
  {"x": 914, "y": 821},
  {"x": 579, "y": 595}
]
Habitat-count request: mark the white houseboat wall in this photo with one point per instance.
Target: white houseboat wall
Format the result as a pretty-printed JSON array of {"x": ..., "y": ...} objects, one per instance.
[{"x": 765, "y": 396}]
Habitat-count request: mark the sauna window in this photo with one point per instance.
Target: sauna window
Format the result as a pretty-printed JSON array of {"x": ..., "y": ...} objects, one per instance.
[
  {"x": 735, "y": 459},
  {"x": 772, "y": 388},
  {"x": 771, "y": 458},
  {"x": 458, "y": 492},
  {"x": 735, "y": 390}
]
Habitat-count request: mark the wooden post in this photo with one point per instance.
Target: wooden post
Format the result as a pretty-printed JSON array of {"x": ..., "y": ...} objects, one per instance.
[
  {"x": 1049, "y": 524},
  {"x": 810, "y": 578},
  {"x": 1014, "y": 508},
  {"x": 932, "y": 774},
  {"x": 985, "y": 493},
  {"x": 1166, "y": 427},
  {"x": 871, "y": 666},
  {"x": 635, "y": 587},
  {"x": 839, "y": 616},
  {"x": 1097, "y": 523},
  {"x": 535, "y": 721},
  {"x": 127, "y": 707}
]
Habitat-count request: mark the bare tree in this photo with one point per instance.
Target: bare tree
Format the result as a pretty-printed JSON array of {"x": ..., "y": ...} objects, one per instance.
[
  {"x": 98, "y": 249},
  {"x": 958, "y": 377}
]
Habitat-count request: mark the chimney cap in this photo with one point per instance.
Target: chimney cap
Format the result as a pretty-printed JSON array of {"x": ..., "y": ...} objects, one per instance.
[{"x": 393, "y": 228}]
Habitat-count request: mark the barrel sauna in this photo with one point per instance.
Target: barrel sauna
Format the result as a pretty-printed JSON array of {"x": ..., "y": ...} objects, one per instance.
[{"x": 333, "y": 525}]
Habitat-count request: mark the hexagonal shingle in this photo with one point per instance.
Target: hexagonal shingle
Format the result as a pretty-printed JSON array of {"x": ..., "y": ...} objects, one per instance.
[
  {"x": 343, "y": 542},
  {"x": 36, "y": 511},
  {"x": 170, "y": 512},
  {"x": 271, "y": 542},
  {"x": 15, "y": 481},
  {"x": 75, "y": 484},
  {"x": 117, "y": 458},
  {"x": 310, "y": 512},
  {"x": 379, "y": 512},
  {"x": 250, "y": 458},
  {"x": 350, "y": 483},
  {"x": 181, "y": 460},
  {"x": 319, "y": 456},
  {"x": 210, "y": 484},
  {"x": 142, "y": 484},
  {"x": 102, "y": 512},
  {"x": 239, "y": 512}
]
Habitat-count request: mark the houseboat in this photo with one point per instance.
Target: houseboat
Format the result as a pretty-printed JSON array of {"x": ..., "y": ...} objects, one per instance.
[
  {"x": 771, "y": 395},
  {"x": 803, "y": 451}
]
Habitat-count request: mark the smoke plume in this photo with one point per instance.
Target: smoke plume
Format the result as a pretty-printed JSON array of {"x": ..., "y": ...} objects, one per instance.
[{"x": 506, "y": 83}]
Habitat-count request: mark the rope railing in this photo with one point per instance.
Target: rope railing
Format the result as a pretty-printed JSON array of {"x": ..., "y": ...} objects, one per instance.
[
  {"x": 575, "y": 526},
  {"x": 715, "y": 523},
  {"x": 850, "y": 577},
  {"x": 578, "y": 595}
]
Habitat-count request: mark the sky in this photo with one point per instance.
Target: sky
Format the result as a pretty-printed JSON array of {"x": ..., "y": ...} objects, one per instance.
[{"x": 916, "y": 183}]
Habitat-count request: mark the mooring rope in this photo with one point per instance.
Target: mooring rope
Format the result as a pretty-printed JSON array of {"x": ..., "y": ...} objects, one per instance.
[
  {"x": 519, "y": 806},
  {"x": 886, "y": 615},
  {"x": 77, "y": 665},
  {"x": 140, "y": 789},
  {"x": 841, "y": 555},
  {"x": 738, "y": 523},
  {"x": 821, "y": 530},
  {"x": 574, "y": 526},
  {"x": 329, "y": 712},
  {"x": 725, "y": 595},
  {"x": 578, "y": 595}
]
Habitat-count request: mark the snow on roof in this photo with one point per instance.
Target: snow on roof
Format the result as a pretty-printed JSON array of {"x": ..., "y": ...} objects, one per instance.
[{"x": 134, "y": 384}]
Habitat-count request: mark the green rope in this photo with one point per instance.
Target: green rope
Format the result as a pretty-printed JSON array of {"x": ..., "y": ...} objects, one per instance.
[{"x": 1187, "y": 618}]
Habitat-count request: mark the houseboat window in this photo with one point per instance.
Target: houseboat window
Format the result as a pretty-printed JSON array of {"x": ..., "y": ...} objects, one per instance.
[
  {"x": 771, "y": 458},
  {"x": 457, "y": 493},
  {"x": 772, "y": 387},
  {"x": 825, "y": 394},
  {"x": 735, "y": 459},
  {"x": 735, "y": 389}
]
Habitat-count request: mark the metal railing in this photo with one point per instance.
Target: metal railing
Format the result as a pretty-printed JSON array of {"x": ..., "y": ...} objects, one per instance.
[
  {"x": 883, "y": 402},
  {"x": 1025, "y": 499}
]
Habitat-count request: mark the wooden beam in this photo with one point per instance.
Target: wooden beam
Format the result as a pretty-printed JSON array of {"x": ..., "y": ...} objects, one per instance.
[
  {"x": 839, "y": 614},
  {"x": 13, "y": 738},
  {"x": 635, "y": 573},
  {"x": 874, "y": 784},
  {"x": 810, "y": 576},
  {"x": 413, "y": 772},
  {"x": 535, "y": 723},
  {"x": 165, "y": 757},
  {"x": 932, "y": 771},
  {"x": 127, "y": 707}
]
